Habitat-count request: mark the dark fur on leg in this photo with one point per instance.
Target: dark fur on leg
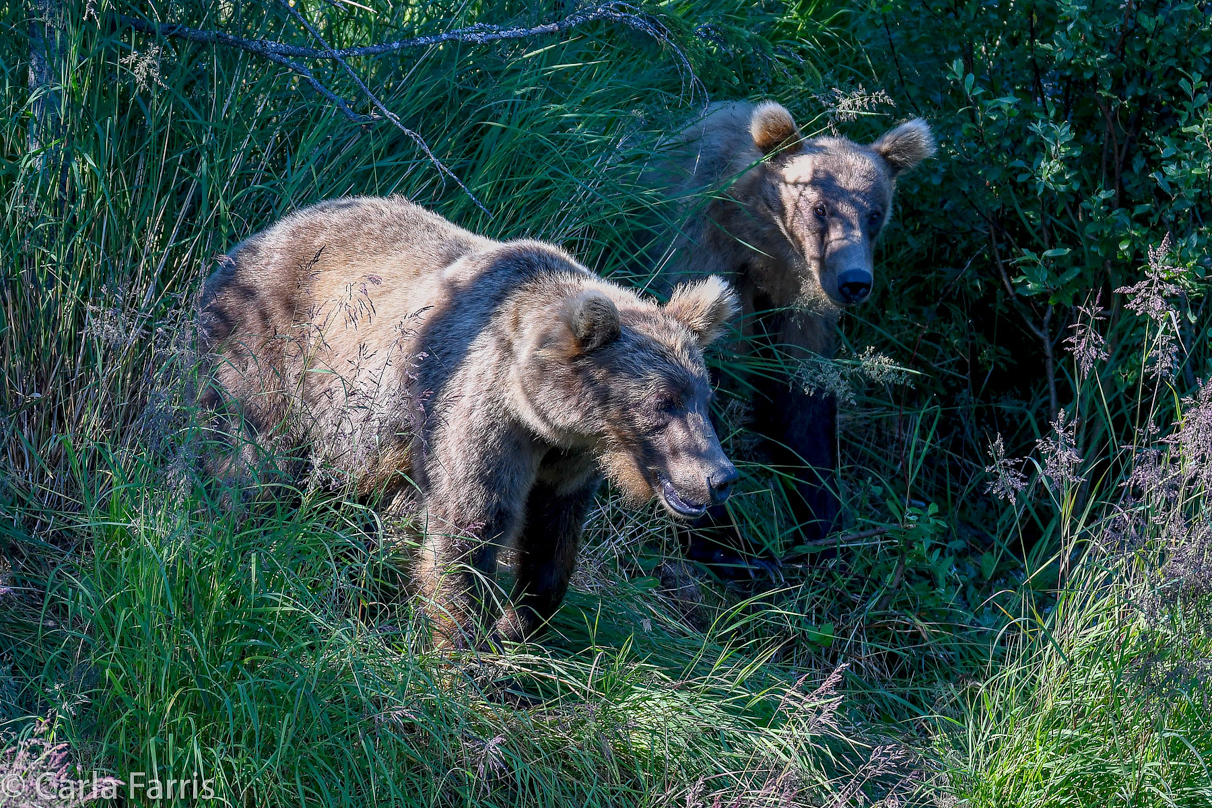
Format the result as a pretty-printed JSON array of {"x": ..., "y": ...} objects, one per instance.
[
  {"x": 716, "y": 542},
  {"x": 799, "y": 439},
  {"x": 802, "y": 441},
  {"x": 546, "y": 557},
  {"x": 455, "y": 574}
]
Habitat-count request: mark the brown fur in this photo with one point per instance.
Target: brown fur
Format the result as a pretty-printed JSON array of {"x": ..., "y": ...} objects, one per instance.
[
  {"x": 759, "y": 230},
  {"x": 792, "y": 224},
  {"x": 497, "y": 381}
]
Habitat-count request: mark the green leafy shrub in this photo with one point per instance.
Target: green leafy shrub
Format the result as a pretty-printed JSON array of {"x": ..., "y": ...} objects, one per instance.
[
  {"x": 1054, "y": 267},
  {"x": 1074, "y": 137}
]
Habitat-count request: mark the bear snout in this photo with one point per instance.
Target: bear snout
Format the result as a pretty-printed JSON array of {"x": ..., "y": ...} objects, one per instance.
[
  {"x": 692, "y": 494},
  {"x": 720, "y": 483},
  {"x": 679, "y": 504},
  {"x": 854, "y": 284}
]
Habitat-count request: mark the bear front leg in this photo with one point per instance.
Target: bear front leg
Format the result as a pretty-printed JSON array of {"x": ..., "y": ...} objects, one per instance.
[
  {"x": 546, "y": 556},
  {"x": 456, "y": 571},
  {"x": 803, "y": 441}
]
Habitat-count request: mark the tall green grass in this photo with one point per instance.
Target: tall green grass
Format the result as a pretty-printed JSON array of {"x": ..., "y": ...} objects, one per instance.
[
  {"x": 1104, "y": 696},
  {"x": 272, "y": 655},
  {"x": 276, "y": 653},
  {"x": 1099, "y": 704}
]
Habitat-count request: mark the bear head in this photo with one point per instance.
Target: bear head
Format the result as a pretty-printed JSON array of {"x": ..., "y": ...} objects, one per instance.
[
  {"x": 830, "y": 198},
  {"x": 624, "y": 377}
]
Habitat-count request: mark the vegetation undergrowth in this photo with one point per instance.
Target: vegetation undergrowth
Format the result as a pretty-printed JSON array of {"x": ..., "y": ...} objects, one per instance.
[{"x": 990, "y": 630}]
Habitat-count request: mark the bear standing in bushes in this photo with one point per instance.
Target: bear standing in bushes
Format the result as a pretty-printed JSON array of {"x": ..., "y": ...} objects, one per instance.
[
  {"x": 486, "y": 387},
  {"x": 792, "y": 224}
]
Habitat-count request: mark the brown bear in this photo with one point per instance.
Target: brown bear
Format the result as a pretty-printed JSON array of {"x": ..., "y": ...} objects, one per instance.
[
  {"x": 487, "y": 387},
  {"x": 791, "y": 223}
]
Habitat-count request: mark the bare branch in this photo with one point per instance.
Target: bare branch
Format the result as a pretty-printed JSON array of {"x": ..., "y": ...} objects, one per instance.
[
  {"x": 388, "y": 114},
  {"x": 288, "y": 55},
  {"x": 1042, "y": 332},
  {"x": 848, "y": 540},
  {"x": 332, "y": 97},
  {"x": 478, "y": 34}
]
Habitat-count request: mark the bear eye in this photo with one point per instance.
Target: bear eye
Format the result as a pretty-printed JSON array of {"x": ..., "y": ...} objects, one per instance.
[
  {"x": 820, "y": 210},
  {"x": 666, "y": 404},
  {"x": 875, "y": 217}
]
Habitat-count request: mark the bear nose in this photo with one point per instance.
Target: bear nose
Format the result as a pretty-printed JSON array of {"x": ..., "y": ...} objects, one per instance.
[
  {"x": 721, "y": 481},
  {"x": 854, "y": 284}
]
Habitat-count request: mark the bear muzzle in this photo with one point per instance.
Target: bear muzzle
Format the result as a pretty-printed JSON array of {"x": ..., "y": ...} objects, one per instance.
[
  {"x": 681, "y": 506},
  {"x": 720, "y": 483},
  {"x": 854, "y": 285},
  {"x": 718, "y": 486}
]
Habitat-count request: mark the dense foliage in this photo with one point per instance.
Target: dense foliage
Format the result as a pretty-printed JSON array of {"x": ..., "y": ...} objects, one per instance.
[{"x": 1077, "y": 138}]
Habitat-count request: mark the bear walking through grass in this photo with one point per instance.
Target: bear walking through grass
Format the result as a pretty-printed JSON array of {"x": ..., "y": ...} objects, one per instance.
[
  {"x": 792, "y": 224},
  {"x": 487, "y": 386}
]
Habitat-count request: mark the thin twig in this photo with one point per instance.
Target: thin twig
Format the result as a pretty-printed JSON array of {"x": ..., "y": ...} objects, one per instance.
[
  {"x": 286, "y": 54},
  {"x": 478, "y": 34},
  {"x": 1043, "y": 333},
  {"x": 898, "y": 575},
  {"x": 849, "y": 540},
  {"x": 388, "y": 114},
  {"x": 316, "y": 85}
]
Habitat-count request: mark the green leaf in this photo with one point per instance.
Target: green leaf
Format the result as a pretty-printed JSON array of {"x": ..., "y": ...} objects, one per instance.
[
  {"x": 988, "y": 565},
  {"x": 821, "y": 635}
]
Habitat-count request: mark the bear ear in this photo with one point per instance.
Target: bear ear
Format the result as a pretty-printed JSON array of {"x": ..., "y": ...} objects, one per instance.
[
  {"x": 704, "y": 307},
  {"x": 593, "y": 320},
  {"x": 905, "y": 146},
  {"x": 773, "y": 129}
]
